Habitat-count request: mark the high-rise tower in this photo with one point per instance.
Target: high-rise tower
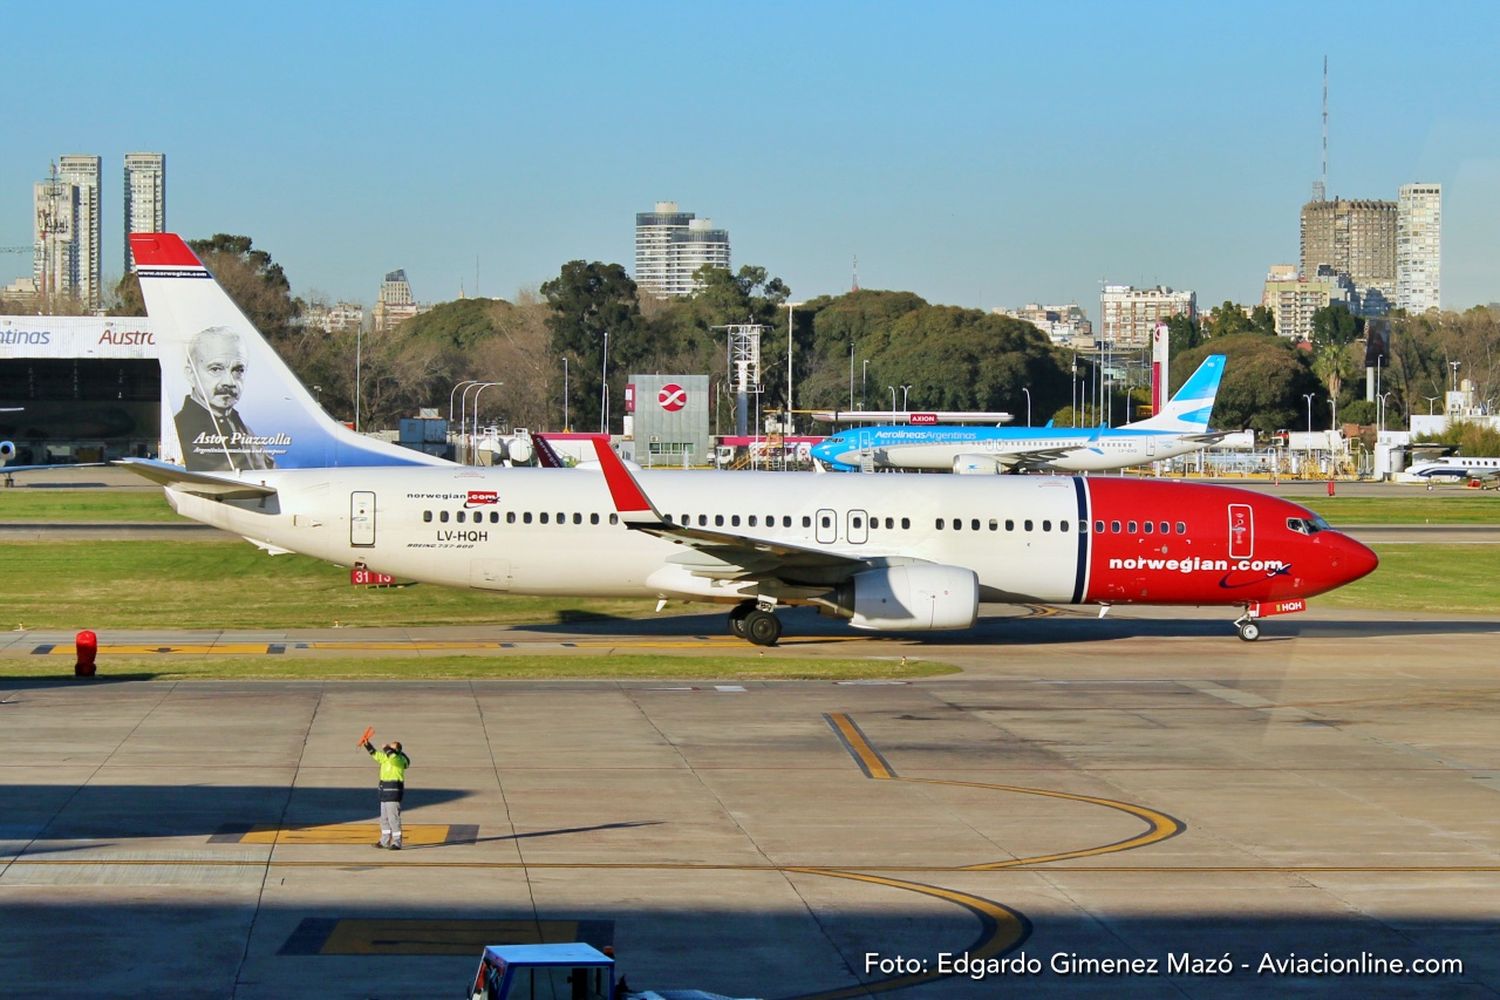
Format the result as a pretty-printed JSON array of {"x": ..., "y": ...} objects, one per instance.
[
  {"x": 83, "y": 172},
  {"x": 670, "y": 245},
  {"x": 145, "y": 197},
  {"x": 1419, "y": 246}
]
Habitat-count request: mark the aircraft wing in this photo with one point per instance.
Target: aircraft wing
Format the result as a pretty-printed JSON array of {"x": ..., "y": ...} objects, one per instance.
[
  {"x": 1207, "y": 437},
  {"x": 1031, "y": 460},
  {"x": 723, "y": 554},
  {"x": 203, "y": 484}
]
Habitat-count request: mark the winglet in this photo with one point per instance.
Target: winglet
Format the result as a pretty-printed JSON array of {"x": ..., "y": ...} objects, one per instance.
[{"x": 629, "y": 499}]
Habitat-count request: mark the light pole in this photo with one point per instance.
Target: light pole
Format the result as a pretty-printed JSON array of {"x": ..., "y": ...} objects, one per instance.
[
  {"x": 1309, "y": 397},
  {"x": 893, "y": 398},
  {"x": 789, "y": 429},
  {"x": 904, "y": 390},
  {"x": 358, "y": 339},
  {"x": 460, "y": 385},
  {"x": 482, "y": 387},
  {"x": 1455, "y": 366},
  {"x": 1333, "y": 406},
  {"x": 463, "y": 409},
  {"x": 456, "y": 387},
  {"x": 604, "y": 389},
  {"x": 1380, "y": 423},
  {"x": 1430, "y": 401},
  {"x": 566, "y": 427},
  {"x": 864, "y": 378},
  {"x": 1027, "y": 391}
]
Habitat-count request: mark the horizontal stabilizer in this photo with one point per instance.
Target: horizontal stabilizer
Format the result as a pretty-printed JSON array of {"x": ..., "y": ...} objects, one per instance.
[{"x": 203, "y": 484}]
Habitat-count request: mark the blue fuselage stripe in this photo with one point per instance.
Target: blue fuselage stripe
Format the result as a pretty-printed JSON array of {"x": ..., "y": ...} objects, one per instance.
[{"x": 1083, "y": 539}]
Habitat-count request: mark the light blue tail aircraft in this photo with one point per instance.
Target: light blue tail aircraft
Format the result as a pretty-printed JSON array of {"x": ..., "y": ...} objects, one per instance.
[{"x": 1181, "y": 427}]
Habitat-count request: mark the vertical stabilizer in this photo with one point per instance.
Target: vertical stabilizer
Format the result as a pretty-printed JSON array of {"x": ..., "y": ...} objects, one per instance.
[
  {"x": 1188, "y": 411},
  {"x": 228, "y": 401}
]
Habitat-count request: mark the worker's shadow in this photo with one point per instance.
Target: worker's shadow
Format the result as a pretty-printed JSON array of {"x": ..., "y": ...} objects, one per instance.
[{"x": 560, "y": 832}]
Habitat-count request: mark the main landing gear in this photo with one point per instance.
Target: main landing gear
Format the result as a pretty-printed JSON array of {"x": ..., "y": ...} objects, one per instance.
[{"x": 750, "y": 621}]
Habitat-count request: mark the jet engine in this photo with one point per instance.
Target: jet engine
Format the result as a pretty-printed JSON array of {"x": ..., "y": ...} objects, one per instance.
[
  {"x": 7, "y": 451},
  {"x": 977, "y": 465},
  {"x": 919, "y": 596}
]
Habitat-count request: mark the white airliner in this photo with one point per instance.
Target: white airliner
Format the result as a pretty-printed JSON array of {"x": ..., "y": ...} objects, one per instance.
[
  {"x": 887, "y": 553},
  {"x": 1179, "y": 429}
]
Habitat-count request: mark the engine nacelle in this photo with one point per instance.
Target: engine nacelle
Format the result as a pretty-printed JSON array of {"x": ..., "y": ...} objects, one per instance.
[
  {"x": 917, "y": 597},
  {"x": 7, "y": 451},
  {"x": 977, "y": 465}
]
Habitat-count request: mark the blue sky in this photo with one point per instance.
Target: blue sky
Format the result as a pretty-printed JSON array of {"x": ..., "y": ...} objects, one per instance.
[{"x": 979, "y": 154}]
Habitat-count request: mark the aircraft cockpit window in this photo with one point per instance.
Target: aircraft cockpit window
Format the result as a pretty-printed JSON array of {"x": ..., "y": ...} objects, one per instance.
[
  {"x": 1302, "y": 526},
  {"x": 1319, "y": 524}
]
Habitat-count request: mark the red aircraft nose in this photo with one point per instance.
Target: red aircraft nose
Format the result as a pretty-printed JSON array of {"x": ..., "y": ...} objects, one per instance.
[{"x": 1352, "y": 560}]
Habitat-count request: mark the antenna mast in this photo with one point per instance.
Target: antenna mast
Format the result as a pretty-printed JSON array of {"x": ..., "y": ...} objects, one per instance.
[
  {"x": 856, "y": 274},
  {"x": 1320, "y": 189}
]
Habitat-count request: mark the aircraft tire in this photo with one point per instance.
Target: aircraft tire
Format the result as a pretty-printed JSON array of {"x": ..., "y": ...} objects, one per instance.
[
  {"x": 737, "y": 618},
  {"x": 762, "y": 627},
  {"x": 1249, "y": 631}
]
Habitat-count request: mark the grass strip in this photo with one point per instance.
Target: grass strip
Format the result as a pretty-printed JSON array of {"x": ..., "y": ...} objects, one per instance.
[
  {"x": 139, "y": 504},
  {"x": 1463, "y": 579},
  {"x": 772, "y": 665}
]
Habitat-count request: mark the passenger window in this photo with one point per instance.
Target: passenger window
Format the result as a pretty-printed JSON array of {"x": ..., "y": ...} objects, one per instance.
[
  {"x": 786, "y": 520},
  {"x": 614, "y": 519},
  {"x": 1062, "y": 525},
  {"x": 1147, "y": 527},
  {"x": 752, "y": 520},
  {"x": 544, "y": 517},
  {"x": 594, "y": 518},
  {"x": 1028, "y": 524},
  {"x": 1181, "y": 528},
  {"x": 857, "y": 522},
  {"x": 1098, "y": 527},
  {"x": 806, "y": 521},
  {"x": 974, "y": 524},
  {"x": 1010, "y": 524},
  {"x": 994, "y": 524},
  {"x": 1130, "y": 526},
  {"x": 890, "y": 523},
  {"x": 718, "y": 520},
  {"x": 1165, "y": 528},
  {"x": 510, "y": 517},
  {"x": 562, "y": 518},
  {"x": 426, "y": 515},
  {"x": 702, "y": 520},
  {"x": 826, "y": 521},
  {"x": 577, "y": 518},
  {"x": 906, "y": 524},
  {"x": 526, "y": 517},
  {"x": 494, "y": 517},
  {"x": 461, "y": 517},
  {"x": 939, "y": 524},
  {"x": 734, "y": 520},
  {"x": 443, "y": 516},
  {"x": 1114, "y": 526},
  {"x": 1046, "y": 525}
]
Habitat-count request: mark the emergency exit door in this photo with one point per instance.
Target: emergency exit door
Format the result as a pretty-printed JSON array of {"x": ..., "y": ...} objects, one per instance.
[
  {"x": 1241, "y": 531},
  {"x": 362, "y": 518}
]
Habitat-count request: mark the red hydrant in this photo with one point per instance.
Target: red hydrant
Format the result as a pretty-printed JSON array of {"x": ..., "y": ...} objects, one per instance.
[
  {"x": 1330, "y": 487},
  {"x": 87, "y": 645}
]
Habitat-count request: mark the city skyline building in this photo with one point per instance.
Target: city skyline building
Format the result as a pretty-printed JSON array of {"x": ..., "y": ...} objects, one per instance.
[
  {"x": 83, "y": 276},
  {"x": 145, "y": 196},
  {"x": 1356, "y": 239},
  {"x": 1128, "y": 315},
  {"x": 671, "y": 245},
  {"x": 55, "y": 247},
  {"x": 1063, "y": 324},
  {"x": 1419, "y": 247},
  {"x": 1292, "y": 299},
  {"x": 396, "y": 304}
]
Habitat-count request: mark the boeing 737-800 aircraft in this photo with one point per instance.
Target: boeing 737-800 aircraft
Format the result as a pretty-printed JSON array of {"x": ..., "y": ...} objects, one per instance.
[
  {"x": 887, "y": 553},
  {"x": 1181, "y": 428}
]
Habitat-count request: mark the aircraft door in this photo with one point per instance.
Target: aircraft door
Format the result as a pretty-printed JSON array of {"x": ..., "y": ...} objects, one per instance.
[
  {"x": 827, "y": 527},
  {"x": 857, "y": 530},
  {"x": 1241, "y": 531},
  {"x": 362, "y": 518}
]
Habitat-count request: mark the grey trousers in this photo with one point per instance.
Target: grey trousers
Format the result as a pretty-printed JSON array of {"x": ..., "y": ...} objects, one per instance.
[{"x": 390, "y": 822}]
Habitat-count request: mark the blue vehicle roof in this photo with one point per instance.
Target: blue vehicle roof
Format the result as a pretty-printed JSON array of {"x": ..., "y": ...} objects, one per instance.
[{"x": 567, "y": 953}]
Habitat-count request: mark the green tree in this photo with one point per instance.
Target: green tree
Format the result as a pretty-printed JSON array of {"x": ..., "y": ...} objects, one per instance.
[
  {"x": 1335, "y": 324},
  {"x": 1264, "y": 379},
  {"x": 1231, "y": 319},
  {"x": 1182, "y": 334},
  {"x": 594, "y": 305}
]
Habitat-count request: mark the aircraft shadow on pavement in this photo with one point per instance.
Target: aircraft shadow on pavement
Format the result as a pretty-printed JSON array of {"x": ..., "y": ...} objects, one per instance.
[
  {"x": 408, "y": 946},
  {"x": 1022, "y": 629},
  {"x": 115, "y": 812}
]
